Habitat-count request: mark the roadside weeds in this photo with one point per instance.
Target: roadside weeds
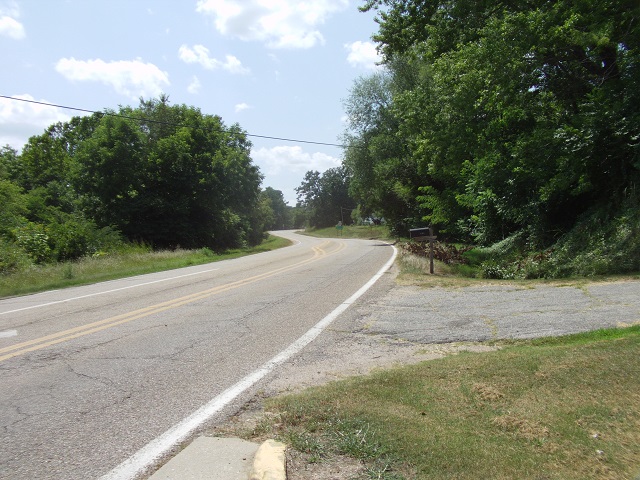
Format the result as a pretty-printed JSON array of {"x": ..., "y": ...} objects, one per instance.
[{"x": 566, "y": 408}]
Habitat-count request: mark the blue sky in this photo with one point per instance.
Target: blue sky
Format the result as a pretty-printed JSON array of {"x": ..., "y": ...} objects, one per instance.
[{"x": 278, "y": 68}]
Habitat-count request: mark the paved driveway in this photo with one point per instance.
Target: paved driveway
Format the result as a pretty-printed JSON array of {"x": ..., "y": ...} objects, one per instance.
[
  {"x": 479, "y": 313},
  {"x": 395, "y": 324}
]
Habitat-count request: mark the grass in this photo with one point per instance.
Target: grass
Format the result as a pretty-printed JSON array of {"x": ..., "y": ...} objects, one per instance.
[
  {"x": 132, "y": 261},
  {"x": 369, "y": 232},
  {"x": 562, "y": 408}
]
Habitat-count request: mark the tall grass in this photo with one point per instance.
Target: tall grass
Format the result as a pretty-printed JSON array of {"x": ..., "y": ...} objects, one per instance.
[{"x": 125, "y": 262}]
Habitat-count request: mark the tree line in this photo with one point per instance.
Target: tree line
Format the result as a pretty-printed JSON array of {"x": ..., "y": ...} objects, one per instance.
[
  {"x": 502, "y": 121},
  {"x": 511, "y": 124},
  {"x": 496, "y": 117},
  {"x": 163, "y": 175}
]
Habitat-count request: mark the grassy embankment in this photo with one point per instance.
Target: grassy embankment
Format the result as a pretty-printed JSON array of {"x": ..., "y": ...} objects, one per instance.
[
  {"x": 133, "y": 260},
  {"x": 554, "y": 408}
]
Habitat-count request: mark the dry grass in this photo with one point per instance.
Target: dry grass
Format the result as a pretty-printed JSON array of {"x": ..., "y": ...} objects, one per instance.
[{"x": 563, "y": 409}]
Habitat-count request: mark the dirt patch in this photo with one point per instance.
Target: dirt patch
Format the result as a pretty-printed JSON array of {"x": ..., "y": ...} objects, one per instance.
[{"x": 338, "y": 467}]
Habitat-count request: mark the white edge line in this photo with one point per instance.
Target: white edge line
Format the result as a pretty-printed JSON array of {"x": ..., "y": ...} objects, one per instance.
[
  {"x": 144, "y": 458},
  {"x": 40, "y": 305}
]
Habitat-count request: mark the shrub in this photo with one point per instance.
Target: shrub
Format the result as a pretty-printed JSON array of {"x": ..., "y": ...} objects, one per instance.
[
  {"x": 73, "y": 237},
  {"x": 12, "y": 258},
  {"x": 33, "y": 239}
]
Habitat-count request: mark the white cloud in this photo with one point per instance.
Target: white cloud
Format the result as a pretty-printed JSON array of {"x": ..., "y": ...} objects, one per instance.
[
  {"x": 133, "y": 78},
  {"x": 9, "y": 26},
  {"x": 292, "y": 160},
  {"x": 241, "y": 106},
  {"x": 278, "y": 23},
  {"x": 21, "y": 120},
  {"x": 362, "y": 54},
  {"x": 194, "y": 86},
  {"x": 200, "y": 54}
]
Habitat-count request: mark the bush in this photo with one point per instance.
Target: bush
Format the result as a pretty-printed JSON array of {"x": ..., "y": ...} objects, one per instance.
[
  {"x": 445, "y": 252},
  {"x": 601, "y": 243},
  {"x": 33, "y": 239},
  {"x": 76, "y": 237},
  {"x": 12, "y": 258}
]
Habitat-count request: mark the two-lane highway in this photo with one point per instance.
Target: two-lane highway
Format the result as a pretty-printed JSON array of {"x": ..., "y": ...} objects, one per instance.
[{"x": 100, "y": 380}]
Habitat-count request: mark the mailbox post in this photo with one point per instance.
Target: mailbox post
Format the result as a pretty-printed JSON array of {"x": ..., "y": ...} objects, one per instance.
[{"x": 422, "y": 235}]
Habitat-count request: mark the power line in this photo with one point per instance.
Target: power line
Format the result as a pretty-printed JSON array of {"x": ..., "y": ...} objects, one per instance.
[{"x": 112, "y": 114}]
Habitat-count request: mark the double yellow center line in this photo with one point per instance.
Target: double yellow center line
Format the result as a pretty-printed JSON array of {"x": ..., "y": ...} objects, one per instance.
[{"x": 88, "y": 329}]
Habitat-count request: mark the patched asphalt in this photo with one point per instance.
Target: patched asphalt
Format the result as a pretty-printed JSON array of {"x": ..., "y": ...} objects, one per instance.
[{"x": 487, "y": 312}]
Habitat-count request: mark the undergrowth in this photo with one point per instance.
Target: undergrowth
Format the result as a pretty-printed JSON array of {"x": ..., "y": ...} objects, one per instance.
[{"x": 601, "y": 243}]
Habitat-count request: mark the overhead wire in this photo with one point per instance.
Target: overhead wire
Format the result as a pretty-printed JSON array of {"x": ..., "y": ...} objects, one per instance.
[{"x": 148, "y": 120}]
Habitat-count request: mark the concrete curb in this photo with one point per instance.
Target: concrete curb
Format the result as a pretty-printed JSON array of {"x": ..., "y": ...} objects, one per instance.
[
  {"x": 269, "y": 462},
  {"x": 226, "y": 458}
]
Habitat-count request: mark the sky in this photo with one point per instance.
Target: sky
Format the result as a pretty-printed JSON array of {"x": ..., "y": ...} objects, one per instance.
[{"x": 278, "y": 68}]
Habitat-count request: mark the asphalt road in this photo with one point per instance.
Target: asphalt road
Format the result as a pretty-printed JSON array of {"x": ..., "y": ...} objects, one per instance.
[
  {"x": 395, "y": 324},
  {"x": 93, "y": 374}
]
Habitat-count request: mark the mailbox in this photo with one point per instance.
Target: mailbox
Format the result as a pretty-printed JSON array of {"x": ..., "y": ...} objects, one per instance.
[
  {"x": 424, "y": 234},
  {"x": 421, "y": 234}
]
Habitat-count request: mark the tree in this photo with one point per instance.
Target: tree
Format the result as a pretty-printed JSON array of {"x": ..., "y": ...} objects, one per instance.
[
  {"x": 525, "y": 116},
  {"x": 10, "y": 166},
  {"x": 170, "y": 176},
  {"x": 325, "y": 197},
  {"x": 384, "y": 175},
  {"x": 14, "y": 207},
  {"x": 281, "y": 213},
  {"x": 161, "y": 174},
  {"x": 109, "y": 173}
]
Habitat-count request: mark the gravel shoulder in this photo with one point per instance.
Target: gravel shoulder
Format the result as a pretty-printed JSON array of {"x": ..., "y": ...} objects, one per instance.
[{"x": 396, "y": 325}]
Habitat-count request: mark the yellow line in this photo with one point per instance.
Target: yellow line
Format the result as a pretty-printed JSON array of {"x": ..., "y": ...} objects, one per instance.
[{"x": 70, "y": 334}]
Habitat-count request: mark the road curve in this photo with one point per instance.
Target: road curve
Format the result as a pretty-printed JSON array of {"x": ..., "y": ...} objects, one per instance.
[{"x": 91, "y": 375}]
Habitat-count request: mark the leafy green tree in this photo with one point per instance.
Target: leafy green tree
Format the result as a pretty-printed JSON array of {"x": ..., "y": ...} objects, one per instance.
[
  {"x": 384, "y": 174},
  {"x": 108, "y": 172},
  {"x": 281, "y": 213},
  {"x": 43, "y": 160},
  {"x": 325, "y": 197},
  {"x": 10, "y": 165},
  {"x": 162, "y": 174},
  {"x": 170, "y": 176},
  {"x": 14, "y": 207},
  {"x": 525, "y": 116}
]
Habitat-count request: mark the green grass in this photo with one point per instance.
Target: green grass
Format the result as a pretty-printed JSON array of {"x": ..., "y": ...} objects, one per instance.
[
  {"x": 134, "y": 260},
  {"x": 562, "y": 408},
  {"x": 373, "y": 232}
]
